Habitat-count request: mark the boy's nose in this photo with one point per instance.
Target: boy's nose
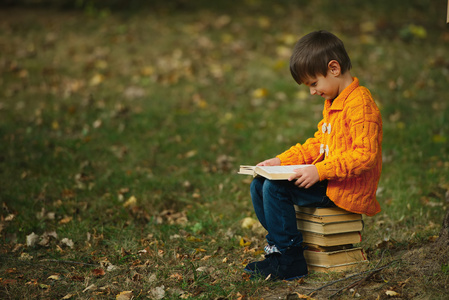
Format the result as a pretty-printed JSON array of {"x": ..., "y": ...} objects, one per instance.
[{"x": 312, "y": 91}]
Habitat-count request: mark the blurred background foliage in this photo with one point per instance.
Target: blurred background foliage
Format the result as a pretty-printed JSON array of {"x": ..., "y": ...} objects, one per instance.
[{"x": 123, "y": 124}]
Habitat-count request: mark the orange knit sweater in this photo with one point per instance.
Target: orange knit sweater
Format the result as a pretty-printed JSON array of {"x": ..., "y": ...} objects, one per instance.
[{"x": 349, "y": 137}]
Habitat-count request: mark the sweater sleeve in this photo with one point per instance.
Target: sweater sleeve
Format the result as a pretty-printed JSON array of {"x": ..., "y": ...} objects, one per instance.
[
  {"x": 363, "y": 148},
  {"x": 304, "y": 153}
]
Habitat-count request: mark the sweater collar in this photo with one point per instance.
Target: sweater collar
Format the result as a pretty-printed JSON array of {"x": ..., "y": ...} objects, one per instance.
[{"x": 337, "y": 103}]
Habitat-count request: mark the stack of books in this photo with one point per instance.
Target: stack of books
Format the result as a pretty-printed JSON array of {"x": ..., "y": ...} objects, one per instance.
[{"x": 329, "y": 235}]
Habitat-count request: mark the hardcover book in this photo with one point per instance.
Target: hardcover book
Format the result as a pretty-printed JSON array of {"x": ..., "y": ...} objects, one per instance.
[
  {"x": 329, "y": 228},
  {"x": 330, "y": 240}
]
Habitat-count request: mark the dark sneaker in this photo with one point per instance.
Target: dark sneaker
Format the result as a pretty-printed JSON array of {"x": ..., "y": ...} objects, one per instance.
[
  {"x": 258, "y": 265},
  {"x": 288, "y": 266}
]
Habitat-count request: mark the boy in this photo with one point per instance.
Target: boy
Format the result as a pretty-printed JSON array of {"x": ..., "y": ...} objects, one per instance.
[{"x": 345, "y": 156}]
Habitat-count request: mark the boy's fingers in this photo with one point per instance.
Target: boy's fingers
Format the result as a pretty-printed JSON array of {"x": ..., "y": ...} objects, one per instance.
[
  {"x": 300, "y": 182},
  {"x": 295, "y": 176}
]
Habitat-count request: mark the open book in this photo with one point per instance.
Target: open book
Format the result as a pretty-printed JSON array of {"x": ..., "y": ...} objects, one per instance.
[{"x": 271, "y": 172}]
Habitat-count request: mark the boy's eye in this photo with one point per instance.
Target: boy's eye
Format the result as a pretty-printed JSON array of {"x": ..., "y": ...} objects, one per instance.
[{"x": 313, "y": 84}]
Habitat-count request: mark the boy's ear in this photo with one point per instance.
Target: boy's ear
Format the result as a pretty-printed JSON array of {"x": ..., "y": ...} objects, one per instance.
[{"x": 334, "y": 67}]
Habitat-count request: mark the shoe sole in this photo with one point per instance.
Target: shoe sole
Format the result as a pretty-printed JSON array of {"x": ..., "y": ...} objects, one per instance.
[{"x": 297, "y": 277}]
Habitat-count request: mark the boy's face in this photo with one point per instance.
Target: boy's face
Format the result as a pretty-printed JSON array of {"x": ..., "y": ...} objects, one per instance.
[{"x": 326, "y": 87}]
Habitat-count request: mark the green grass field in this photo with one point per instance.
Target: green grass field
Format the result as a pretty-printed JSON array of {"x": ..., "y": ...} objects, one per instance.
[{"x": 121, "y": 134}]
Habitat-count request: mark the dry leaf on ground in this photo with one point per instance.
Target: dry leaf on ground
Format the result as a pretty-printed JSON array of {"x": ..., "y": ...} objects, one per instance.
[
  {"x": 32, "y": 239},
  {"x": 125, "y": 295}
]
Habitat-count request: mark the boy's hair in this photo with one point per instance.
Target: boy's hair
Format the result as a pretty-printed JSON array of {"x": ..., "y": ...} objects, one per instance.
[{"x": 312, "y": 54}]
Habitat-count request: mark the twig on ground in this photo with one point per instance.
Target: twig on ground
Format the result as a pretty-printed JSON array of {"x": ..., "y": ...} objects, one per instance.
[
  {"x": 352, "y": 276},
  {"x": 357, "y": 282},
  {"x": 68, "y": 262},
  {"x": 49, "y": 260}
]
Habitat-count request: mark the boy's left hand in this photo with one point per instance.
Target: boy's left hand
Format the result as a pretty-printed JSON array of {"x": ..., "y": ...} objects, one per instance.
[{"x": 305, "y": 177}]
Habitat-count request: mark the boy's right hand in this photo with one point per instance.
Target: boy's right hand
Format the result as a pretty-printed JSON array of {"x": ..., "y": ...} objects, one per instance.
[{"x": 270, "y": 162}]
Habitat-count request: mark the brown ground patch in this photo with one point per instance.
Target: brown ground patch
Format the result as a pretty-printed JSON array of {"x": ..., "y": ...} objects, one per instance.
[{"x": 418, "y": 273}]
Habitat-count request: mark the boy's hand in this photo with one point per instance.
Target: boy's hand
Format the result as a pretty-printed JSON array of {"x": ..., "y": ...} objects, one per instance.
[
  {"x": 305, "y": 177},
  {"x": 270, "y": 162}
]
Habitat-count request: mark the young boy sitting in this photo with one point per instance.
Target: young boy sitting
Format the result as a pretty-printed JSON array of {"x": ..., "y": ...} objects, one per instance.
[{"x": 345, "y": 156}]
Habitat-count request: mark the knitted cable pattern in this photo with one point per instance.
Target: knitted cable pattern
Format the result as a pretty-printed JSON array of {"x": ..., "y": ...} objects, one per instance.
[{"x": 349, "y": 137}]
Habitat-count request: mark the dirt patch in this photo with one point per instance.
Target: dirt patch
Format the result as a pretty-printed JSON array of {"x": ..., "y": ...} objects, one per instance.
[{"x": 418, "y": 273}]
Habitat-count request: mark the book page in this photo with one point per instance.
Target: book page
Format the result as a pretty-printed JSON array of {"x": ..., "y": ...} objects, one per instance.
[
  {"x": 246, "y": 170},
  {"x": 270, "y": 172},
  {"x": 281, "y": 169}
]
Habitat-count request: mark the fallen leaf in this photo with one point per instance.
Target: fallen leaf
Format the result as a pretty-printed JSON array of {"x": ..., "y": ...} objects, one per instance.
[
  {"x": 260, "y": 93},
  {"x": 137, "y": 277},
  {"x": 68, "y": 296},
  {"x": 55, "y": 125},
  {"x": 147, "y": 71},
  {"x": 9, "y": 217},
  {"x": 67, "y": 242},
  {"x": 97, "y": 124},
  {"x": 439, "y": 139},
  {"x": 433, "y": 238},
  {"x": 193, "y": 239},
  {"x": 46, "y": 237},
  {"x": 302, "y": 95},
  {"x": 249, "y": 222},
  {"x": 199, "y": 101},
  {"x": 134, "y": 92},
  {"x": 54, "y": 277},
  {"x": 125, "y": 295},
  {"x": 32, "y": 282},
  {"x": 11, "y": 270},
  {"x": 152, "y": 278},
  {"x": 158, "y": 292},
  {"x": 185, "y": 295},
  {"x": 96, "y": 79},
  {"x": 98, "y": 272},
  {"x": 142, "y": 252},
  {"x": 65, "y": 220},
  {"x": 90, "y": 287},
  {"x": 244, "y": 243},
  {"x": 264, "y": 22},
  {"x": 8, "y": 281},
  {"x": 132, "y": 201},
  {"x": 284, "y": 52},
  {"x": 125, "y": 252},
  {"x": 392, "y": 293},
  {"x": 176, "y": 276},
  {"x": 107, "y": 265},
  {"x": 208, "y": 270},
  {"x": 32, "y": 239},
  {"x": 190, "y": 153},
  {"x": 25, "y": 256}
]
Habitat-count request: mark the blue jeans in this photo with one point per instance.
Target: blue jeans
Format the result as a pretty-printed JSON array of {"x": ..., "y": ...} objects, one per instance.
[{"x": 273, "y": 202}]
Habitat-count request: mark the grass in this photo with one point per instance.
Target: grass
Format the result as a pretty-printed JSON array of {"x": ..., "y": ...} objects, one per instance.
[{"x": 161, "y": 107}]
